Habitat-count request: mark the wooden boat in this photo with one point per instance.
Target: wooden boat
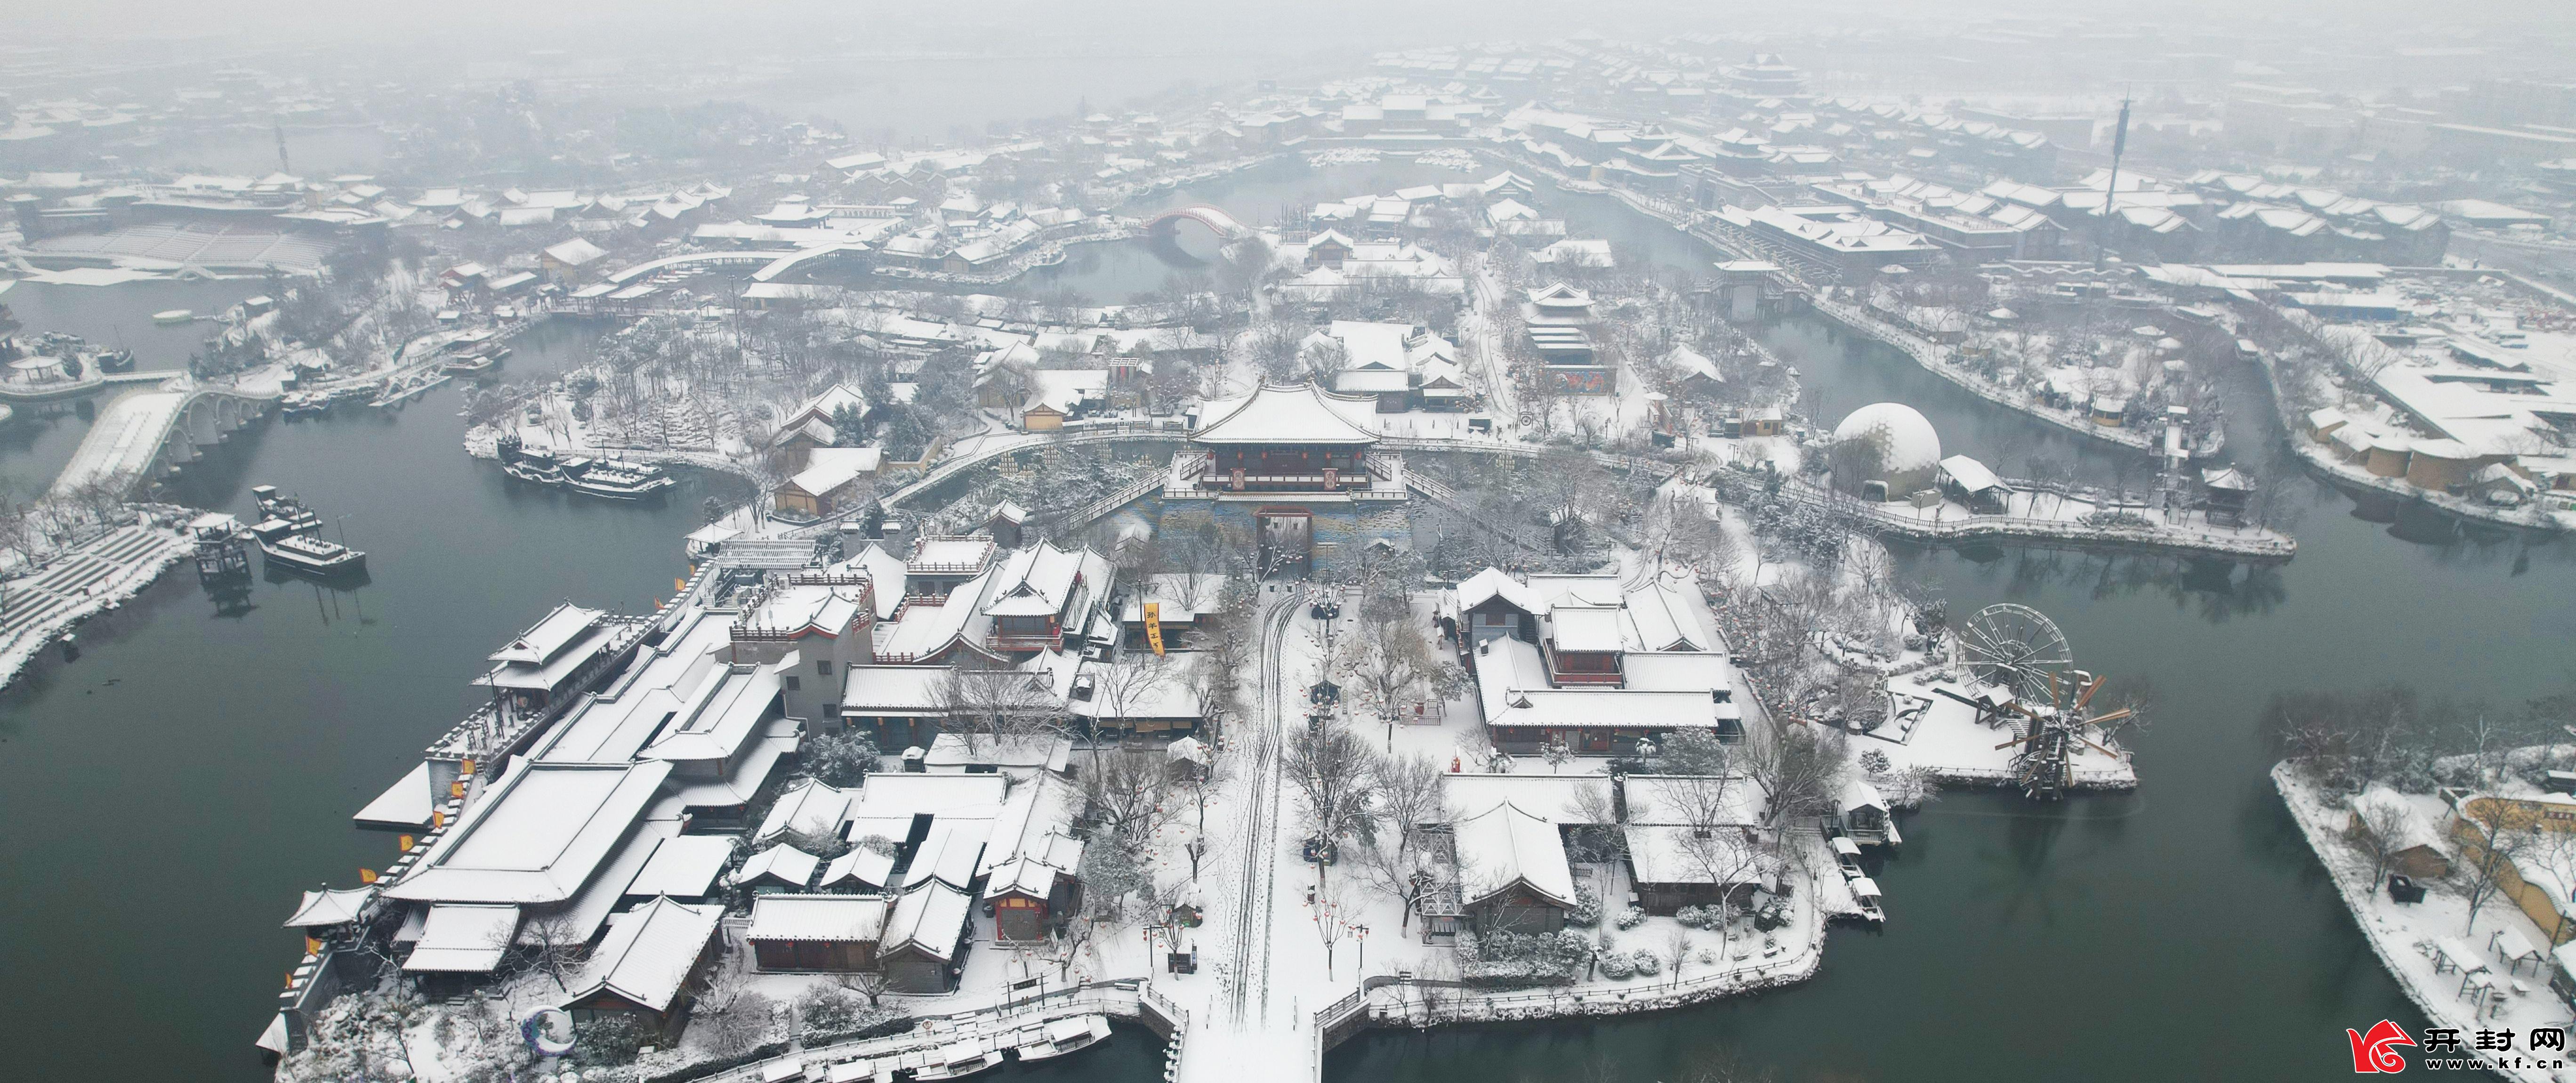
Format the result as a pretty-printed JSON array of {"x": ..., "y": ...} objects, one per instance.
[
  {"x": 170, "y": 316},
  {"x": 615, "y": 480},
  {"x": 473, "y": 364},
  {"x": 537, "y": 466},
  {"x": 958, "y": 1059},
  {"x": 311, "y": 555},
  {"x": 1063, "y": 1036}
]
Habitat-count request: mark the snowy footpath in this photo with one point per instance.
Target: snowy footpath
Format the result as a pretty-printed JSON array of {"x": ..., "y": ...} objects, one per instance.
[{"x": 2415, "y": 943}]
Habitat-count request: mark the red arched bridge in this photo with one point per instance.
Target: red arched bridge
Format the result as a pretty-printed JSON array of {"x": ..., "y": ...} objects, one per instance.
[{"x": 1221, "y": 223}]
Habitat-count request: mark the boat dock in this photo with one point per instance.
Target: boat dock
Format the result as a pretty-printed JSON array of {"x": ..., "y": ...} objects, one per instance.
[{"x": 942, "y": 1040}]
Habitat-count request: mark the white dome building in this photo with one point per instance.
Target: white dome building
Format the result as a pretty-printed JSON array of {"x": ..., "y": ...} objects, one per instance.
[{"x": 1886, "y": 451}]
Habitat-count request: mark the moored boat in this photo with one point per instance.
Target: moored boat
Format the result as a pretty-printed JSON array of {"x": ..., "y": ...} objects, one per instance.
[
  {"x": 531, "y": 465},
  {"x": 473, "y": 364},
  {"x": 612, "y": 480},
  {"x": 311, "y": 555},
  {"x": 1062, "y": 1036},
  {"x": 169, "y": 316},
  {"x": 958, "y": 1059}
]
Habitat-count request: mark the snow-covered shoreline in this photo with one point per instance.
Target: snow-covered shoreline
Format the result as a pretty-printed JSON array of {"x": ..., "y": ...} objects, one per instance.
[
  {"x": 2308, "y": 810},
  {"x": 138, "y": 556},
  {"x": 2317, "y": 460},
  {"x": 1928, "y": 356}
]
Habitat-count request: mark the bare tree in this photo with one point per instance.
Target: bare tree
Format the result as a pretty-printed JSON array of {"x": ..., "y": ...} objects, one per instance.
[
  {"x": 2379, "y": 828},
  {"x": 1801, "y": 767},
  {"x": 2490, "y": 847},
  {"x": 1128, "y": 685},
  {"x": 1127, "y": 793},
  {"x": 1337, "y": 775},
  {"x": 555, "y": 941},
  {"x": 1384, "y": 668},
  {"x": 871, "y": 984},
  {"x": 1411, "y": 797},
  {"x": 1000, "y": 703}
]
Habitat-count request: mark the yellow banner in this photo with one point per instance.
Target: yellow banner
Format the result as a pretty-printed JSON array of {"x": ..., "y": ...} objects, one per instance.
[
  {"x": 366, "y": 876},
  {"x": 1154, "y": 626},
  {"x": 406, "y": 841}
]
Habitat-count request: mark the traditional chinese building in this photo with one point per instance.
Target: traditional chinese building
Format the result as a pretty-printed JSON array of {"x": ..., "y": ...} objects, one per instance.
[{"x": 1301, "y": 462}]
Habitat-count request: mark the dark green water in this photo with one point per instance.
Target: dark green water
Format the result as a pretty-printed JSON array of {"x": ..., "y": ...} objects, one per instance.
[{"x": 164, "y": 797}]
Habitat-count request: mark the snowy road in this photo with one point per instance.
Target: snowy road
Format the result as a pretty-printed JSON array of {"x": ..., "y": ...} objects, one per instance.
[{"x": 1260, "y": 857}]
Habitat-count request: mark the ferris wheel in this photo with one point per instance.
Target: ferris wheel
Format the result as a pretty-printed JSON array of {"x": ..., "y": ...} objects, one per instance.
[{"x": 2015, "y": 647}]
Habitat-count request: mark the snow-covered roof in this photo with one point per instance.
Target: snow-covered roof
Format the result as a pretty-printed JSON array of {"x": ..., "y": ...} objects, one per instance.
[
  {"x": 684, "y": 866},
  {"x": 808, "y": 808},
  {"x": 407, "y": 803},
  {"x": 950, "y": 853},
  {"x": 1679, "y": 799},
  {"x": 957, "y": 751},
  {"x": 649, "y": 951},
  {"x": 861, "y": 866},
  {"x": 1558, "y": 799},
  {"x": 467, "y": 938},
  {"x": 713, "y": 722},
  {"x": 1495, "y": 583},
  {"x": 1668, "y": 854},
  {"x": 1581, "y": 629},
  {"x": 549, "y": 635},
  {"x": 1504, "y": 845},
  {"x": 539, "y": 838},
  {"x": 2412, "y": 829},
  {"x": 927, "y": 918},
  {"x": 331, "y": 907},
  {"x": 1662, "y": 616},
  {"x": 1969, "y": 474},
  {"x": 1287, "y": 414},
  {"x": 949, "y": 554},
  {"x": 838, "y": 918},
  {"x": 910, "y": 691},
  {"x": 1039, "y": 581},
  {"x": 800, "y": 609},
  {"x": 829, "y": 468},
  {"x": 783, "y": 863},
  {"x": 575, "y": 252},
  {"x": 1511, "y": 682}
]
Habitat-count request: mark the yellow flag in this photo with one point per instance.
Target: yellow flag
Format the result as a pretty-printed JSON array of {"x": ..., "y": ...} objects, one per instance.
[
  {"x": 366, "y": 876},
  {"x": 466, "y": 767},
  {"x": 437, "y": 818},
  {"x": 1154, "y": 626},
  {"x": 678, "y": 583},
  {"x": 406, "y": 842},
  {"x": 312, "y": 946}
]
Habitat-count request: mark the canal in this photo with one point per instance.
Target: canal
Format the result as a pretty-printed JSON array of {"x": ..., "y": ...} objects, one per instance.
[
  {"x": 2184, "y": 931},
  {"x": 164, "y": 796}
]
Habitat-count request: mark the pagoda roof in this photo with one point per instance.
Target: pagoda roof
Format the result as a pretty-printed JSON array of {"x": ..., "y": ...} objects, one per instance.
[{"x": 1287, "y": 414}]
